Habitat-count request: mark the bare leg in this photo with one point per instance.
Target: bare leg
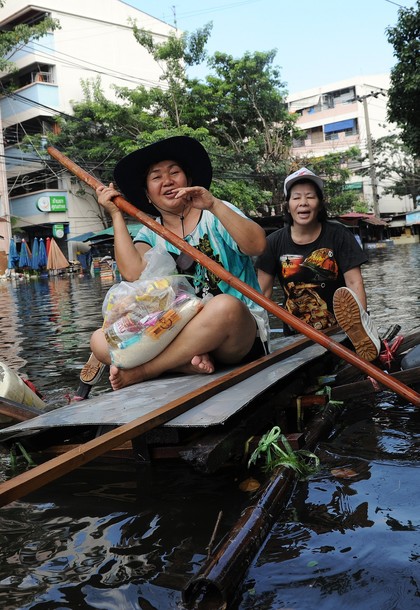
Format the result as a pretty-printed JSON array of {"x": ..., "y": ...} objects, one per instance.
[
  {"x": 100, "y": 347},
  {"x": 224, "y": 328}
]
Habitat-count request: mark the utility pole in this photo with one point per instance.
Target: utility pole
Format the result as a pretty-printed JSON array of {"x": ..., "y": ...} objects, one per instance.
[
  {"x": 372, "y": 169},
  {"x": 4, "y": 193},
  {"x": 174, "y": 14}
]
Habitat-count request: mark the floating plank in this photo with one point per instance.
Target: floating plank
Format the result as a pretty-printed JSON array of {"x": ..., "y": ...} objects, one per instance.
[
  {"x": 57, "y": 467},
  {"x": 123, "y": 406}
]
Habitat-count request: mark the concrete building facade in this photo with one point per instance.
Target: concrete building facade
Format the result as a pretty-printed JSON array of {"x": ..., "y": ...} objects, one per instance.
[
  {"x": 343, "y": 114},
  {"x": 95, "y": 39}
]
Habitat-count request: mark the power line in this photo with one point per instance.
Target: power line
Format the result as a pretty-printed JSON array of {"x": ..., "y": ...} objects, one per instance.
[
  {"x": 215, "y": 9},
  {"x": 396, "y": 3},
  {"x": 84, "y": 64}
]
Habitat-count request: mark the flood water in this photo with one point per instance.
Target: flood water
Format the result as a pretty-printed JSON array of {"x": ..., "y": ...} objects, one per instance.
[{"x": 117, "y": 538}]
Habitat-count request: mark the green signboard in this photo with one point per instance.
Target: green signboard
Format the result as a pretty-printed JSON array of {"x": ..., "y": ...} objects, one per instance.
[
  {"x": 353, "y": 186},
  {"x": 53, "y": 203},
  {"x": 58, "y": 231}
]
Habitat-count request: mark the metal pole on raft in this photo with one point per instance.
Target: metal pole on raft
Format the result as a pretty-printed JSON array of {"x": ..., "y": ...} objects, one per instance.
[{"x": 310, "y": 332}]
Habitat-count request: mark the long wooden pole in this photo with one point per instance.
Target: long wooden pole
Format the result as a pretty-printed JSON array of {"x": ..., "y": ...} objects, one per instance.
[{"x": 316, "y": 336}]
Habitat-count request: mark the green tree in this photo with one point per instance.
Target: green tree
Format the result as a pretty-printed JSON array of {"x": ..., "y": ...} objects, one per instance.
[
  {"x": 239, "y": 114},
  {"x": 174, "y": 56},
  {"x": 21, "y": 34},
  {"x": 253, "y": 129},
  {"x": 253, "y": 124},
  {"x": 396, "y": 166},
  {"x": 404, "y": 93},
  {"x": 101, "y": 131}
]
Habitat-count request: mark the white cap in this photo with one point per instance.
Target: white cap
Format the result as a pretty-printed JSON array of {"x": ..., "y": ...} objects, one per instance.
[{"x": 302, "y": 173}]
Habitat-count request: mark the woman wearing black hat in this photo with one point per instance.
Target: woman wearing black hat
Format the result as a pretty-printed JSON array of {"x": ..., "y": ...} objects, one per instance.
[
  {"x": 170, "y": 179},
  {"x": 318, "y": 264}
]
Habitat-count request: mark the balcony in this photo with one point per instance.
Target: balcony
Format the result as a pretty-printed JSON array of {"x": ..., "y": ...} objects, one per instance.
[
  {"x": 19, "y": 161},
  {"x": 29, "y": 102},
  {"x": 33, "y": 48},
  {"x": 334, "y": 143}
]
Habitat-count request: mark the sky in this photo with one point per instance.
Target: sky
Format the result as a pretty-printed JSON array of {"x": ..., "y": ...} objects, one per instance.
[{"x": 318, "y": 42}]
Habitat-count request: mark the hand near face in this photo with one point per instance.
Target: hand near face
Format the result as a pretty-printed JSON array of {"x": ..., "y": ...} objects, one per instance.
[{"x": 198, "y": 196}]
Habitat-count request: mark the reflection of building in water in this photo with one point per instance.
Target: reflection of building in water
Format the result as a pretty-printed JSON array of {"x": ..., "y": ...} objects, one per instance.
[
  {"x": 37, "y": 324},
  {"x": 11, "y": 335},
  {"x": 62, "y": 317}
]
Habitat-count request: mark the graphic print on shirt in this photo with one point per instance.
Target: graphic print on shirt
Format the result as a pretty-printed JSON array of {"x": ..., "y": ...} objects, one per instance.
[
  {"x": 323, "y": 263},
  {"x": 305, "y": 281},
  {"x": 205, "y": 280}
]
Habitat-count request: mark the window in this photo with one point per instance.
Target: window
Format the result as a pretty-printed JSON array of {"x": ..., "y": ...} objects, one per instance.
[
  {"x": 298, "y": 142},
  {"x": 327, "y": 101},
  {"x": 348, "y": 127}
]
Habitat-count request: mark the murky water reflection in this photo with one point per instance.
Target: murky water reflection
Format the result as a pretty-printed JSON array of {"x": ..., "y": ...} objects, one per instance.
[{"x": 114, "y": 538}]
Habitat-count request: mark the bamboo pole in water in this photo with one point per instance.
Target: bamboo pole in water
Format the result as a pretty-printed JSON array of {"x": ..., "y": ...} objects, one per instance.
[
  {"x": 316, "y": 336},
  {"x": 217, "y": 583}
]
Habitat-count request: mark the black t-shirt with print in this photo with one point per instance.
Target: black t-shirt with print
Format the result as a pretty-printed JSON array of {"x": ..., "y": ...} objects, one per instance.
[{"x": 310, "y": 274}]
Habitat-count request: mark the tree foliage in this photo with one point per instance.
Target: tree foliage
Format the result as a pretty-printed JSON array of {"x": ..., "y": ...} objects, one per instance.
[
  {"x": 397, "y": 167},
  {"x": 174, "y": 56},
  {"x": 239, "y": 114},
  {"x": 21, "y": 35},
  {"x": 404, "y": 93}
]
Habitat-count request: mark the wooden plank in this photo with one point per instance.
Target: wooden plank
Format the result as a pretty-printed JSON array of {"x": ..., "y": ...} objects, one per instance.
[
  {"x": 16, "y": 410},
  {"x": 119, "y": 408},
  {"x": 51, "y": 470}
]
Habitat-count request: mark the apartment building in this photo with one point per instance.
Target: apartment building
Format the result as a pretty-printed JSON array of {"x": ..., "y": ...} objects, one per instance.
[
  {"x": 95, "y": 39},
  {"x": 343, "y": 114}
]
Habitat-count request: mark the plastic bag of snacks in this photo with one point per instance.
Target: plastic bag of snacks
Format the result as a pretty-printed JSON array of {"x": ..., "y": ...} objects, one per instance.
[{"x": 141, "y": 318}]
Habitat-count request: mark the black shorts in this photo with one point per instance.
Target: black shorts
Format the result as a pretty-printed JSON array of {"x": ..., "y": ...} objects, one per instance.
[{"x": 259, "y": 348}]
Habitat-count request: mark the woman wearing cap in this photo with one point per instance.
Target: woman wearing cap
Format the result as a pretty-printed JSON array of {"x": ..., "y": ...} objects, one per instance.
[
  {"x": 318, "y": 265},
  {"x": 170, "y": 179}
]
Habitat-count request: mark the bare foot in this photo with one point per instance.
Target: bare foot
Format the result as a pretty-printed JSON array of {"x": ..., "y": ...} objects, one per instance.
[
  {"x": 203, "y": 363},
  {"x": 121, "y": 378}
]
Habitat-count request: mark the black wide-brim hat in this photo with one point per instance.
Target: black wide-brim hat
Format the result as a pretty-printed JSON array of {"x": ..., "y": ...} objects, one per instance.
[{"x": 130, "y": 173}]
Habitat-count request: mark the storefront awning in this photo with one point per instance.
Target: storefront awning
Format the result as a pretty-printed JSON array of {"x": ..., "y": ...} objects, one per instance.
[
  {"x": 305, "y": 102},
  {"x": 105, "y": 234},
  {"x": 374, "y": 220},
  {"x": 339, "y": 126},
  {"x": 82, "y": 237},
  {"x": 356, "y": 217}
]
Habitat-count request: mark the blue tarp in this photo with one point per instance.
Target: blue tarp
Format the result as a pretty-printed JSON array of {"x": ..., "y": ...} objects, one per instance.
[
  {"x": 82, "y": 237},
  {"x": 133, "y": 229}
]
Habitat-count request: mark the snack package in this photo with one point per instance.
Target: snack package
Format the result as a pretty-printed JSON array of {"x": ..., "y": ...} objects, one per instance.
[{"x": 141, "y": 318}]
